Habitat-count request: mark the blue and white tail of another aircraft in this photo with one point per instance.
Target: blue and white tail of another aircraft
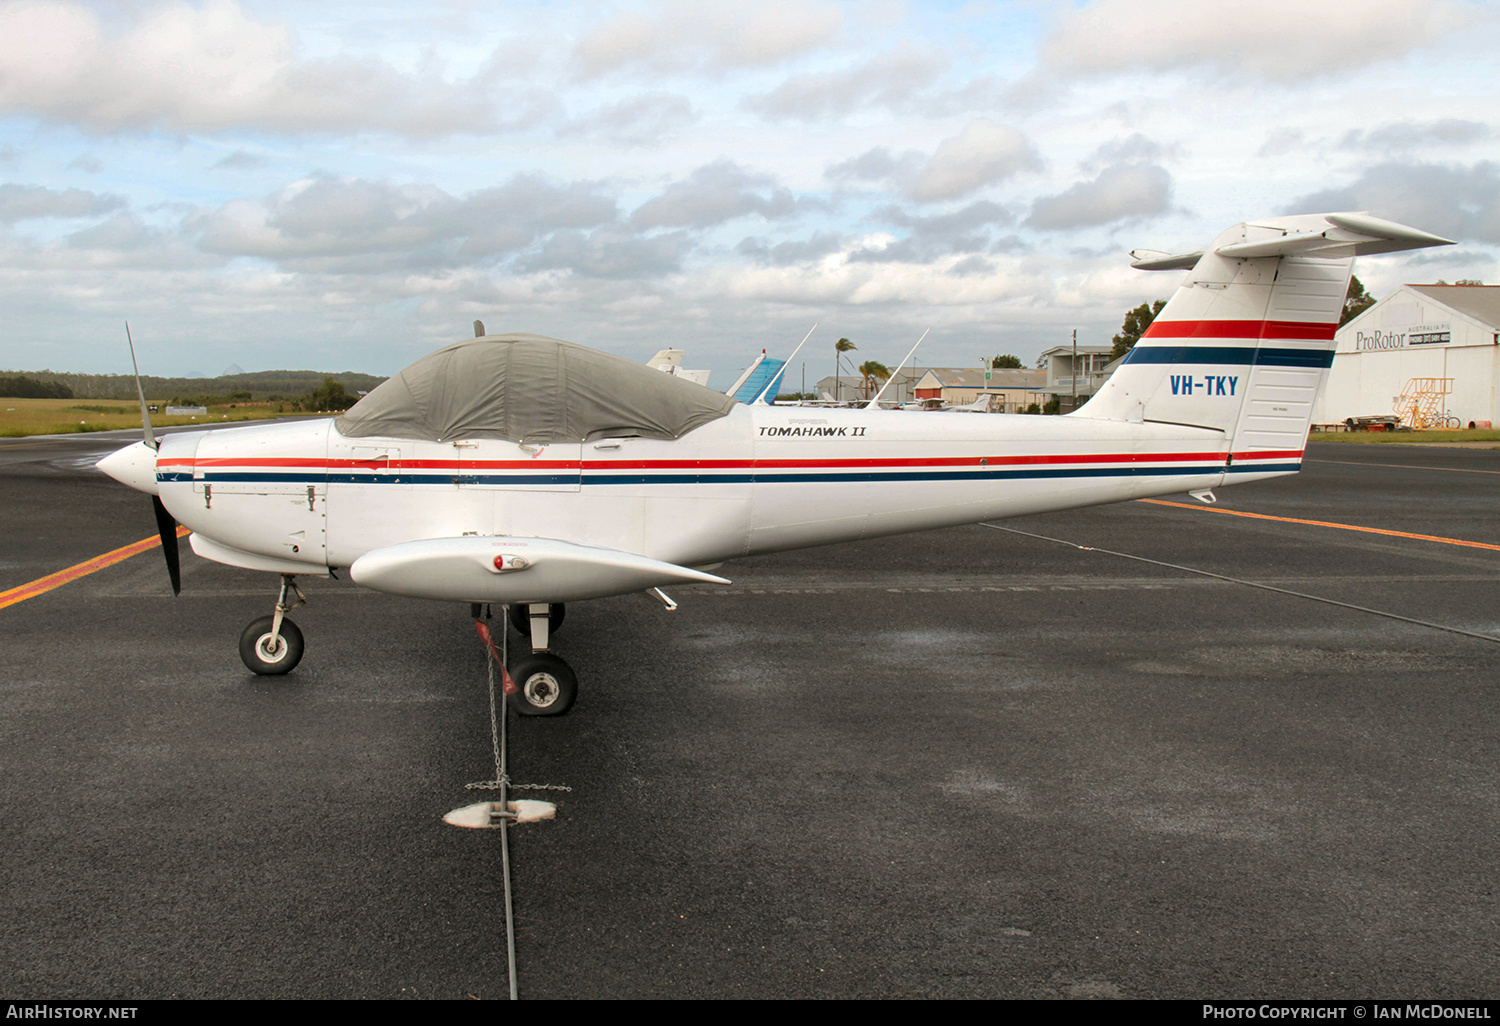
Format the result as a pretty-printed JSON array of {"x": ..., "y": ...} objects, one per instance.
[{"x": 1245, "y": 343}]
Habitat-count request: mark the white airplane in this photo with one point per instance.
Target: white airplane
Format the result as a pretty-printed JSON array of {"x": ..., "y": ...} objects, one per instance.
[{"x": 526, "y": 472}]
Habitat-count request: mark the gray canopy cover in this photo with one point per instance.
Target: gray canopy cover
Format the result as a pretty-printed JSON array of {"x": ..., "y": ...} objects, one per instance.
[{"x": 529, "y": 388}]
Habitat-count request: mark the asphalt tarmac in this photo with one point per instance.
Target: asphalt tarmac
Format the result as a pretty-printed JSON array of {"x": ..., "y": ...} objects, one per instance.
[{"x": 964, "y": 764}]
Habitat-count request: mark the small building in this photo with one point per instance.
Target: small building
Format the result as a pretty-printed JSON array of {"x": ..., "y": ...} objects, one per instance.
[
  {"x": 1423, "y": 350},
  {"x": 1010, "y": 390},
  {"x": 852, "y": 387},
  {"x": 1067, "y": 378}
]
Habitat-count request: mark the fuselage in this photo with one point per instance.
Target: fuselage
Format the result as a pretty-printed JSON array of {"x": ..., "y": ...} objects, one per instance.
[{"x": 761, "y": 479}]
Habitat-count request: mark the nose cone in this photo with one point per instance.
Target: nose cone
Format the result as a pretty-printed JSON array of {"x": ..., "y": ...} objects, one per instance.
[{"x": 134, "y": 465}]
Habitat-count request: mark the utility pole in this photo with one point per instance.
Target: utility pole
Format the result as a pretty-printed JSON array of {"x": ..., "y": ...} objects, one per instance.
[{"x": 1075, "y": 370}]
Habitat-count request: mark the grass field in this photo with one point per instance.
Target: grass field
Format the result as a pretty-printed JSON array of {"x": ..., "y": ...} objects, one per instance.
[
  {"x": 21, "y": 417},
  {"x": 1406, "y": 437}
]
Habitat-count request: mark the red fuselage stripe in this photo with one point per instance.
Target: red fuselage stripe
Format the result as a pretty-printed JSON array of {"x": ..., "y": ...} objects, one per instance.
[
  {"x": 1311, "y": 331},
  {"x": 181, "y": 465}
]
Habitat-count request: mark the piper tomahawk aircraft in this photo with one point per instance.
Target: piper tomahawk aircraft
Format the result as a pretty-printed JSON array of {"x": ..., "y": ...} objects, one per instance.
[{"x": 528, "y": 472}]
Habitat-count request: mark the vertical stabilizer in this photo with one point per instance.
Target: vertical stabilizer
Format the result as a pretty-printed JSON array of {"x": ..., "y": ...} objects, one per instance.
[{"x": 1244, "y": 344}]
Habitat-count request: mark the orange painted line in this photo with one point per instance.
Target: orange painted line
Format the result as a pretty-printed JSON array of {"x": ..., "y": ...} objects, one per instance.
[
  {"x": 1325, "y": 523},
  {"x": 45, "y": 584}
]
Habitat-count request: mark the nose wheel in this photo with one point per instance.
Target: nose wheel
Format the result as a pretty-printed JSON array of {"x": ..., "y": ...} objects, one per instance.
[
  {"x": 545, "y": 685},
  {"x": 538, "y": 684},
  {"x": 272, "y": 645},
  {"x": 267, "y": 653}
]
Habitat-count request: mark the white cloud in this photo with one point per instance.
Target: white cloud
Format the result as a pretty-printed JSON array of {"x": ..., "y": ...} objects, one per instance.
[
  {"x": 837, "y": 280},
  {"x": 1405, "y": 136},
  {"x": 355, "y": 225},
  {"x": 206, "y": 69},
  {"x": 611, "y": 253},
  {"x": 1119, "y": 193},
  {"x": 123, "y": 232},
  {"x": 1460, "y": 203},
  {"x": 683, "y": 35},
  {"x": 26, "y": 202},
  {"x": 644, "y": 120},
  {"x": 877, "y": 165},
  {"x": 713, "y": 194},
  {"x": 1136, "y": 149},
  {"x": 239, "y": 160},
  {"x": 934, "y": 239},
  {"x": 981, "y": 154},
  {"x": 1282, "y": 40},
  {"x": 888, "y": 79}
]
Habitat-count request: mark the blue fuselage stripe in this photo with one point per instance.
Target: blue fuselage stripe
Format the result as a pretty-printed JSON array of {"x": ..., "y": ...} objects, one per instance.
[
  {"x": 688, "y": 477},
  {"x": 1244, "y": 356}
]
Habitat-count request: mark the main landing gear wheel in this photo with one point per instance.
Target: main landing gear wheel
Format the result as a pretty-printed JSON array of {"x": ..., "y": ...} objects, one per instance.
[
  {"x": 263, "y": 657},
  {"x": 520, "y": 618},
  {"x": 546, "y": 686}
]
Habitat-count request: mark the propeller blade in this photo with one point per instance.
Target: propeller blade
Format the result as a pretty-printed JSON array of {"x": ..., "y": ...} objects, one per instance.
[
  {"x": 167, "y": 528},
  {"x": 149, "y": 435}
]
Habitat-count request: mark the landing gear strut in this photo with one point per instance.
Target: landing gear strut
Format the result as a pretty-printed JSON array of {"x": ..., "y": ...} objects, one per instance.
[
  {"x": 272, "y": 645},
  {"x": 522, "y": 615}
]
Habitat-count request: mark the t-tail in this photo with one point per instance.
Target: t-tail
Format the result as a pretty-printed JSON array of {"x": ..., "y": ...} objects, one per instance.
[{"x": 1246, "y": 341}]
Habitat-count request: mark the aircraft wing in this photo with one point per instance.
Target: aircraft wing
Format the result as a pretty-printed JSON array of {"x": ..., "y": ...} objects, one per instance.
[{"x": 514, "y": 570}]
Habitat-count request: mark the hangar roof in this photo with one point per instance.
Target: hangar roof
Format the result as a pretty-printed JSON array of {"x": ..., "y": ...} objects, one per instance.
[{"x": 1482, "y": 302}]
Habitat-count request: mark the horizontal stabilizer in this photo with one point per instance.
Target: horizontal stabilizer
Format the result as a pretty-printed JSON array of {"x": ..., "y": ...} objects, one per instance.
[
  {"x": 1155, "y": 260},
  {"x": 1339, "y": 236},
  {"x": 514, "y": 570}
]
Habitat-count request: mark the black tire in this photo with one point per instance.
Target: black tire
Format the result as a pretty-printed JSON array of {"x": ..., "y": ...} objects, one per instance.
[
  {"x": 547, "y": 686},
  {"x": 275, "y": 663},
  {"x": 520, "y": 619}
]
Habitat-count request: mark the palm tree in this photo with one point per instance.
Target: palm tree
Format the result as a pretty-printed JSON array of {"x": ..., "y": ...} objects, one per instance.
[
  {"x": 873, "y": 369},
  {"x": 840, "y": 347}
]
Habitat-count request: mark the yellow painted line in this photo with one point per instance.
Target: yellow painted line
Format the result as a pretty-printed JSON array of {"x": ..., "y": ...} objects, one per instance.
[
  {"x": 45, "y": 584},
  {"x": 1325, "y": 523},
  {"x": 1402, "y": 466}
]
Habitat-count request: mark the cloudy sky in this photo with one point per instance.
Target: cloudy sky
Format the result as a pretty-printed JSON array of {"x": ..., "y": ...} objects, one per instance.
[{"x": 347, "y": 186}]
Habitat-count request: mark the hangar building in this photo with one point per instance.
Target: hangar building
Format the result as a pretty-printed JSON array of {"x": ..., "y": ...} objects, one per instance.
[{"x": 1432, "y": 346}]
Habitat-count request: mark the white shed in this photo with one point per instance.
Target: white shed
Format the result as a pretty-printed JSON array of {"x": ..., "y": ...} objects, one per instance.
[{"x": 1443, "y": 337}]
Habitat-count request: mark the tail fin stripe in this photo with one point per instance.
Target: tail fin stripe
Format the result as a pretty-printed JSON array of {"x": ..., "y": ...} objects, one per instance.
[
  {"x": 1243, "y": 356},
  {"x": 1312, "y": 331}
]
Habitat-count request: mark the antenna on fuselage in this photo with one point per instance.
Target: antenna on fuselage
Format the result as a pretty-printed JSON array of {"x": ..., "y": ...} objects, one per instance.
[
  {"x": 888, "y": 380},
  {"x": 761, "y": 399},
  {"x": 478, "y": 329}
]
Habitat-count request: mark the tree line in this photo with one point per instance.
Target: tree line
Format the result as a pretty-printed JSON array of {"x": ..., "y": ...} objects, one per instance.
[
  {"x": 18, "y": 386},
  {"x": 259, "y": 386}
]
